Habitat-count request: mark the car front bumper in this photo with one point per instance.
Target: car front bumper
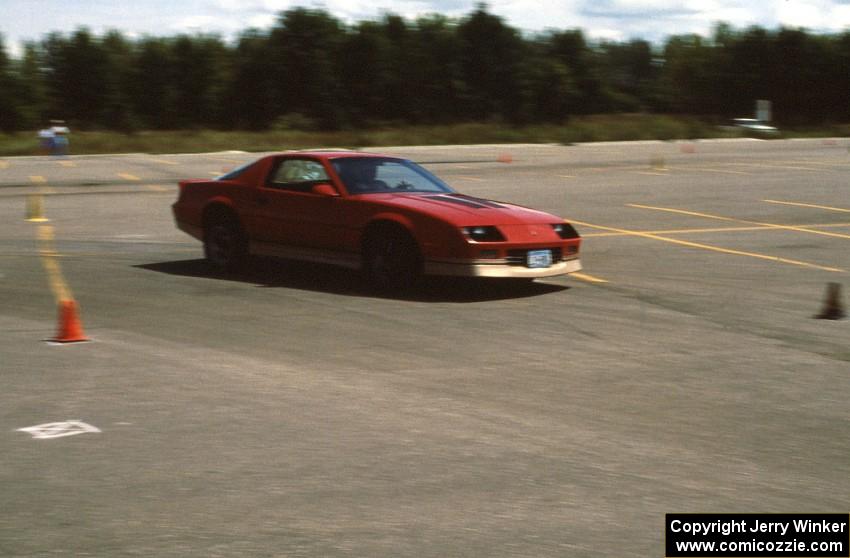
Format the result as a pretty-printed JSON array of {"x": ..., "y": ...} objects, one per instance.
[{"x": 482, "y": 268}]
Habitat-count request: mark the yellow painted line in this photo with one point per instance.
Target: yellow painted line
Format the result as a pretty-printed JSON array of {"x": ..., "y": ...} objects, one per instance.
[
  {"x": 127, "y": 176},
  {"x": 842, "y": 209},
  {"x": 68, "y": 163},
  {"x": 821, "y": 163},
  {"x": 682, "y": 211},
  {"x": 566, "y": 176},
  {"x": 217, "y": 173},
  {"x": 805, "y": 230},
  {"x": 47, "y": 251},
  {"x": 708, "y": 230},
  {"x": 681, "y": 231},
  {"x": 42, "y": 183},
  {"x": 651, "y": 173},
  {"x": 829, "y": 225},
  {"x": 471, "y": 178},
  {"x": 705, "y": 169},
  {"x": 721, "y": 218},
  {"x": 588, "y": 278},
  {"x": 35, "y": 208},
  {"x": 4, "y": 164},
  {"x": 165, "y": 162},
  {"x": 603, "y": 234},
  {"x": 156, "y": 188},
  {"x": 710, "y": 247},
  {"x": 45, "y": 234},
  {"x": 58, "y": 286},
  {"x": 774, "y": 166}
]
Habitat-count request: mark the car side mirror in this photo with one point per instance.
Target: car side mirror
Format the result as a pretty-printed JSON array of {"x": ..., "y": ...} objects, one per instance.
[{"x": 324, "y": 189}]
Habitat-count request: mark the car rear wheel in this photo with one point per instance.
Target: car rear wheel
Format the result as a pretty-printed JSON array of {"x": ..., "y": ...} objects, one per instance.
[
  {"x": 391, "y": 258},
  {"x": 225, "y": 246}
]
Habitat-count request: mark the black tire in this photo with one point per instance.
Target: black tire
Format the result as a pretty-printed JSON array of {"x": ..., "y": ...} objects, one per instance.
[
  {"x": 225, "y": 244},
  {"x": 391, "y": 258}
]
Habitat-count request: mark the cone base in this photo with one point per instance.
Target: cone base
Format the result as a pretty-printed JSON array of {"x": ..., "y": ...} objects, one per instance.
[
  {"x": 833, "y": 315},
  {"x": 832, "y": 307},
  {"x": 67, "y": 341}
]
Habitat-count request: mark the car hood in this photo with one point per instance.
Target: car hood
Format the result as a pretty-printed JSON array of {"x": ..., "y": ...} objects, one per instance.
[{"x": 463, "y": 210}]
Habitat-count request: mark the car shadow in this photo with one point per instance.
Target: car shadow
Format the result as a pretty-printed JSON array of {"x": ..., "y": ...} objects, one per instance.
[{"x": 274, "y": 273}]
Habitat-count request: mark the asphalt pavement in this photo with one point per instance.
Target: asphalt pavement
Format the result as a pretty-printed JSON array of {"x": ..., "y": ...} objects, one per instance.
[{"x": 289, "y": 411}]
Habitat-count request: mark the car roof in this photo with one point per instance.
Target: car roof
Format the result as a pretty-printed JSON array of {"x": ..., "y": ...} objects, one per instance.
[{"x": 335, "y": 153}]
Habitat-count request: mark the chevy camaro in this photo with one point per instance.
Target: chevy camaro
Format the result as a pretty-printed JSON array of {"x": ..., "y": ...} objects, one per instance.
[{"x": 385, "y": 215}]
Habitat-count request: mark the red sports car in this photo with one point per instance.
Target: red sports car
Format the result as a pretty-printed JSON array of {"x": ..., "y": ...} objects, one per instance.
[{"x": 385, "y": 215}]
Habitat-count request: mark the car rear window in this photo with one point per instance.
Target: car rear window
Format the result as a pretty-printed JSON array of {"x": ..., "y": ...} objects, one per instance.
[{"x": 235, "y": 173}]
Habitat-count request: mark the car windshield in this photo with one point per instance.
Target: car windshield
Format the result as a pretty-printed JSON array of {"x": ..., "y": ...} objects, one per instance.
[{"x": 366, "y": 175}]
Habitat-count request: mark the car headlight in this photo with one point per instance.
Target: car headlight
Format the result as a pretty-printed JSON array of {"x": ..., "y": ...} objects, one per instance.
[
  {"x": 565, "y": 230},
  {"x": 483, "y": 234}
]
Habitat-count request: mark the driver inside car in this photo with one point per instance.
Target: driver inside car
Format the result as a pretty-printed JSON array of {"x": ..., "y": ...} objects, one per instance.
[{"x": 361, "y": 178}]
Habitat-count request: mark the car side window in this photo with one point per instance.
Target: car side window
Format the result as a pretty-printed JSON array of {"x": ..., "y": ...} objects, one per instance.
[{"x": 298, "y": 175}]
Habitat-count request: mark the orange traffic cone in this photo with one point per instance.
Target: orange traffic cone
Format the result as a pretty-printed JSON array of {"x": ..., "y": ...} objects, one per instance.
[{"x": 70, "y": 328}]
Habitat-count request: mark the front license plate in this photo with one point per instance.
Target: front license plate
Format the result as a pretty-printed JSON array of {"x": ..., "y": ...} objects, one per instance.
[{"x": 539, "y": 258}]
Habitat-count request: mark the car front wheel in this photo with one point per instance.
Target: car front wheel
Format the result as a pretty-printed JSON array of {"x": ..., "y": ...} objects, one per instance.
[{"x": 391, "y": 258}]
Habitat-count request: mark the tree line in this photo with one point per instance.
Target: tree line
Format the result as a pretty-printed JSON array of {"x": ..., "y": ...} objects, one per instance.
[{"x": 312, "y": 71}]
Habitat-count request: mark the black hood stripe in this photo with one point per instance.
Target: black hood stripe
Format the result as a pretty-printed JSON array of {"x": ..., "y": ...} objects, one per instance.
[
  {"x": 468, "y": 201},
  {"x": 483, "y": 202}
]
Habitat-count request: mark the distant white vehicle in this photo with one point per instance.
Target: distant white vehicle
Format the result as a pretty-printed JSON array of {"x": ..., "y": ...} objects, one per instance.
[{"x": 754, "y": 126}]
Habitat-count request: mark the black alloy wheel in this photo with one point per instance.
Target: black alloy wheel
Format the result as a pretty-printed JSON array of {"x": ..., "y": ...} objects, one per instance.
[
  {"x": 391, "y": 259},
  {"x": 225, "y": 246}
]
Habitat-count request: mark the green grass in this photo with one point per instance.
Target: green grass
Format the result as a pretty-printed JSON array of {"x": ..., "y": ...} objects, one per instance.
[{"x": 620, "y": 127}]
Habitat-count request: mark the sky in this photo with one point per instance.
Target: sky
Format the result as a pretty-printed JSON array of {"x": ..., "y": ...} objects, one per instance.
[{"x": 22, "y": 20}]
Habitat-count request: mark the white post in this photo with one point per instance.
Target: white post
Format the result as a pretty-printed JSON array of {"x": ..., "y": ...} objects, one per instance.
[{"x": 763, "y": 110}]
